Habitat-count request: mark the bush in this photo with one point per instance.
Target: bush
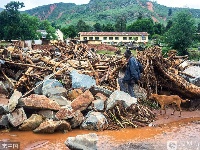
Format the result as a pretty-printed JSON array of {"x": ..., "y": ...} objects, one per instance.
[{"x": 194, "y": 55}]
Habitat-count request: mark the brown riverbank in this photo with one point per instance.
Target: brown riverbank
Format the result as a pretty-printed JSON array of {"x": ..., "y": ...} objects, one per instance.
[{"x": 162, "y": 129}]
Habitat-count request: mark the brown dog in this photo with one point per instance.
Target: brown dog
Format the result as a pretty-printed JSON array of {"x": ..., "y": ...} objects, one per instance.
[{"x": 164, "y": 100}]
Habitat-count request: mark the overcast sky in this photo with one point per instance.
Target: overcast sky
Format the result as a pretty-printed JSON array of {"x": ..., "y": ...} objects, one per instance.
[{"x": 34, "y": 3}]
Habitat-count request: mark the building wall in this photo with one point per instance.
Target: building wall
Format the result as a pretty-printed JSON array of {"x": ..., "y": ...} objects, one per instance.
[
  {"x": 116, "y": 39},
  {"x": 59, "y": 34}
]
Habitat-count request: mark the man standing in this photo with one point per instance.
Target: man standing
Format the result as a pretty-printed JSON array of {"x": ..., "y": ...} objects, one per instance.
[{"x": 132, "y": 74}]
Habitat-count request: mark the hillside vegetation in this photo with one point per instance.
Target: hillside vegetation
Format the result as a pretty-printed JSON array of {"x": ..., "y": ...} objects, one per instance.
[{"x": 106, "y": 11}]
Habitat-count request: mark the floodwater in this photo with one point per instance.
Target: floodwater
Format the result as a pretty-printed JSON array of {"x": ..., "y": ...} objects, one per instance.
[{"x": 167, "y": 132}]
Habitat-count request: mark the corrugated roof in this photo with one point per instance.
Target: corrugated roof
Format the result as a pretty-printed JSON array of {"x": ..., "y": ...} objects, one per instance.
[{"x": 112, "y": 33}]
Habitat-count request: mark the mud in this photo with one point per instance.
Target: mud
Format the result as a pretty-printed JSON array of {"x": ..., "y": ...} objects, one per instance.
[{"x": 168, "y": 131}]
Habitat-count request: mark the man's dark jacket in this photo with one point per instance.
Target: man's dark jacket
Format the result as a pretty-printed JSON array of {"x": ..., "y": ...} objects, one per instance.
[{"x": 133, "y": 70}]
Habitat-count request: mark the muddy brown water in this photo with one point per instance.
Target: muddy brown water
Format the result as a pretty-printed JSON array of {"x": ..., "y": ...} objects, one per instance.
[{"x": 167, "y": 132}]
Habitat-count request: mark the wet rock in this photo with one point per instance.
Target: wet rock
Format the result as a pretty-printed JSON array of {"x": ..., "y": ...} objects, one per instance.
[
  {"x": 13, "y": 101},
  {"x": 193, "y": 71},
  {"x": 31, "y": 123},
  {"x": 38, "y": 90},
  {"x": 62, "y": 101},
  {"x": 77, "y": 119},
  {"x": 101, "y": 96},
  {"x": 195, "y": 81},
  {"x": 94, "y": 121},
  {"x": 63, "y": 126},
  {"x": 73, "y": 94},
  {"x": 48, "y": 114},
  {"x": 17, "y": 117},
  {"x": 79, "y": 80},
  {"x": 65, "y": 113},
  {"x": 35, "y": 101},
  {"x": 83, "y": 142},
  {"x": 120, "y": 95},
  {"x": 98, "y": 104},
  {"x": 194, "y": 75},
  {"x": 4, "y": 121},
  {"x": 49, "y": 85},
  {"x": 98, "y": 89},
  {"x": 140, "y": 92},
  {"x": 50, "y": 126},
  {"x": 3, "y": 109},
  {"x": 3, "y": 89},
  {"x": 3, "y": 99},
  {"x": 82, "y": 102},
  {"x": 56, "y": 91}
]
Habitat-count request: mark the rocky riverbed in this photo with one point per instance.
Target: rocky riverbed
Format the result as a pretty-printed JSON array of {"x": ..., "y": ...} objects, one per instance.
[{"x": 167, "y": 131}]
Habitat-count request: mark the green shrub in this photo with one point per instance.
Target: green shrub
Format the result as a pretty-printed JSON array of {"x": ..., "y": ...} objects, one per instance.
[{"x": 194, "y": 55}]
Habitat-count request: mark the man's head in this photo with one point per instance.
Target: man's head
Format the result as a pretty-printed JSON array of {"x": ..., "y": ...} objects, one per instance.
[{"x": 127, "y": 53}]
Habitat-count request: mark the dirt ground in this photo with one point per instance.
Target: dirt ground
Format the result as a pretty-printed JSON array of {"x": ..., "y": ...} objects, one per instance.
[{"x": 168, "y": 132}]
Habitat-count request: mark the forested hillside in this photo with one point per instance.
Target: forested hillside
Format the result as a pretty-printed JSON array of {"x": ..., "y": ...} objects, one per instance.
[{"x": 106, "y": 11}]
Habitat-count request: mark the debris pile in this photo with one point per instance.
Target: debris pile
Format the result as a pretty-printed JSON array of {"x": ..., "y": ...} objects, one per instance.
[
  {"x": 63, "y": 87},
  {"x": 166, "y": 73}
]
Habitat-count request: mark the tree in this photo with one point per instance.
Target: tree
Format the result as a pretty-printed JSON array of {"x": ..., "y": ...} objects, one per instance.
[
  {"x": 81, "y": 26},
  {"x": 69, "y": 31},
  {"x": 120, "y": 25},
  {"x": 142, "y": 25},
  {"x": 10, "y": 19},
  {"x": 170, "y": 12},
  {"x": 180, "y": 35},
  {"x": 28, "y": 26},
  {"x": 46, "y": 25},
  {"x": 169, "y": 24},
  {"x": 108, "y": 28},
  {"x": 198, "y": 28},
  {"x": 97, "y": 27},
  {"x": 158, "y": 28}
]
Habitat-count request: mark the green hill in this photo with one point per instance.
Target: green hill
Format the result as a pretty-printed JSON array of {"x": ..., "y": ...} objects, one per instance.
[{"x": 106, "y": 11}]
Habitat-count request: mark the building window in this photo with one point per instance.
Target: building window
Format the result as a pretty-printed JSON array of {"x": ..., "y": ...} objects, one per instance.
[
  {"x": 110, "y": 38},
  {"x": 130, "y": 38},
  {"x": 136, "y": 38},
  {"x": 96, "y": 38},
  {"x": 104, "y": 38},
  {"x": 90, "y": 38},
  {"x": 143, "y": 37},
  {"x": 116, "y": 38},
  {"x": 85, "y": 38},
  {"x": 124, "y": 38}
]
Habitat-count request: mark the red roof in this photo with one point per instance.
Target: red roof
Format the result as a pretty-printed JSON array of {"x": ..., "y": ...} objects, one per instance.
[{"x": 112, "y": 33}]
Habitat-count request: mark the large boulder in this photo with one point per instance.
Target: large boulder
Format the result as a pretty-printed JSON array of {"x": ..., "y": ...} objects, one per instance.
[
  {"x": 120, "y": 96},
  {"x": 3, "y": 109},
  {"x": 77, "y": 119},
  {"x": 64, "y": 113},
  {"x": 83, "y": 101},
  {"x": 73, "y": 94},
  {"x": 98, "y": 89},
  {"x": 81, "y": 80},
  {"x": 192, "y": 74},
  {"x": 50, "y": 85},
  {"x": 50, "y": 126},
  {"x": 83, "y": 142},
  {"x": 13, "y": 101},
  {"x": 47, "y": 114},
  {"x": 61, "y": 100},
  {"x": 4, "y": 121},
  {"x": 35, "y": 101},
  {"x": 95, "y": 121},
  {"x": 31, "y": 123},
  {"x": 17, "y": 117},
  {"x": 98, "y": 104},
  {"x": 3, "y": 89}
]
